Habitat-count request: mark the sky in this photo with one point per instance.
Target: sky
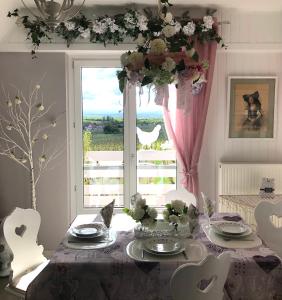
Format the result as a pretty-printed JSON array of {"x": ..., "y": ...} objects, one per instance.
[{"x": 101, "y": 95}]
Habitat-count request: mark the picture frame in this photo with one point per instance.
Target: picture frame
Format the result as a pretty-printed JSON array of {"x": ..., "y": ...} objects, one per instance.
[{"x": 251, "y": 109}]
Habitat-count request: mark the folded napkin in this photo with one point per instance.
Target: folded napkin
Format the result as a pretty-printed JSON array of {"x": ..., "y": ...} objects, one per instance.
[{"x": 232, "y": 218}]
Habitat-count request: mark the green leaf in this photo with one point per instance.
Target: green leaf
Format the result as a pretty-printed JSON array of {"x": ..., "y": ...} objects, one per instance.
[
  {"x": 146, "y": 80},
  {"x": 180, "y": 66},
  {"x": 147, "y": 64},
  {"x": 195, "y": 56}
]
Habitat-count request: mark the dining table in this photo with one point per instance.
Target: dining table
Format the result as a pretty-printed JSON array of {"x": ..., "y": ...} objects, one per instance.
[{"x": 110, "y": 274}]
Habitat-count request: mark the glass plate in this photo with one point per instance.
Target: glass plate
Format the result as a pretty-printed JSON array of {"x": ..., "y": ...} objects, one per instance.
[
  {"x": 163, "y": 245},
  {"x": 231, "y": 228},
  {"x": 234, "y": 236}
]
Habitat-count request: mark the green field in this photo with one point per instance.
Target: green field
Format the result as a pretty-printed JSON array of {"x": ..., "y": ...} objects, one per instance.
[{"x": 111, "y": 137}]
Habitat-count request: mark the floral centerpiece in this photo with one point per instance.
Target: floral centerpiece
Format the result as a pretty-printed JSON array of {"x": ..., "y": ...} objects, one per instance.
[
  {"x": 141, "y": 212},
  {"x": 176, "y": 213}
]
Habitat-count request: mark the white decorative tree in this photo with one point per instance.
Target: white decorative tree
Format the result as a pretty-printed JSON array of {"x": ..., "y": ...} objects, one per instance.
[{"x": 23, "y": 127}]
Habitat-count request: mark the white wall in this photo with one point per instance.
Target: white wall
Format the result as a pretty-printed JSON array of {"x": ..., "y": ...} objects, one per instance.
[
  {"x": 258, "y": 34},
  {"x": 22, "y": 71}
]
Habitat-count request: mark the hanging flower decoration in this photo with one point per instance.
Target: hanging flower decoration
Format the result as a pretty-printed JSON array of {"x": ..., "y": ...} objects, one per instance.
[
  {"x": 166, "y": 52},
  {"x": 166, "y": 45}
]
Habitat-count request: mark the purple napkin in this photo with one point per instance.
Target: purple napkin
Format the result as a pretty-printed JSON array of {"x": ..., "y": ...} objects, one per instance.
[{"x": 232, "y": 218}]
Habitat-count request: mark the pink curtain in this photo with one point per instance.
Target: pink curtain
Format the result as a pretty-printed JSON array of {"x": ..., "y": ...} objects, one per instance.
[{"x": 187, "y": 129}]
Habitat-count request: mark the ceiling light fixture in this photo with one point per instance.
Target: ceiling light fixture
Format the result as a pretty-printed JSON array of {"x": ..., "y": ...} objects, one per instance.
[{"x": 52, "y": 12}]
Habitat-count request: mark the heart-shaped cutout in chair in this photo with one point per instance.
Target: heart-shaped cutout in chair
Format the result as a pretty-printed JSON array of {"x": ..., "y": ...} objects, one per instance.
[
  {"x": 20, "y": 230},
  {"x": 202, "y": 281},
  {"x": 271, "y": 234},
  {"x": 206, "y": 284}
]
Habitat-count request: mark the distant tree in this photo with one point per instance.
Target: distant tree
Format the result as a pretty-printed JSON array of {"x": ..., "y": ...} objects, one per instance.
[{"x": 110, "y": 129}]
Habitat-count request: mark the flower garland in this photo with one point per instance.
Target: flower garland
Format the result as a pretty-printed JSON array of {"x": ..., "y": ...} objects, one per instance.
[{"x": 165, "y": 45}]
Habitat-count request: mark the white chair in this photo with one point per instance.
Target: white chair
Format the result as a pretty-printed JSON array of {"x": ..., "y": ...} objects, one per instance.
[
  {"x": 20, "y": 231},
  {"x": 181, "y": 194},
  {"x": 271, "y": 234},
  {"x": 186, "y": 281}
]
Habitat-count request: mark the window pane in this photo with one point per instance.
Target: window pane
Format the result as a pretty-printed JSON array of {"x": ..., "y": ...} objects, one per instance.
[
  {"x": 156, "y": 159},
  {"x": 103, "y": 128}
]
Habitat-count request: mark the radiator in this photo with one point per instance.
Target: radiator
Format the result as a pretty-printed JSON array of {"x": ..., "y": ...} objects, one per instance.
[{"x": 245, "y": 178}]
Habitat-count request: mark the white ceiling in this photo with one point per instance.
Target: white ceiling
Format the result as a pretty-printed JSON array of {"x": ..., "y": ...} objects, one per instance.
[{"x": 253, "y": 5}]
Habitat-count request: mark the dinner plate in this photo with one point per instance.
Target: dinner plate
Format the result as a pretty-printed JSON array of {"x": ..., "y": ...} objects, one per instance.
[
  {"x": 88, "y": 230},
  {"x": 230, "y": 228},
  {"x": 163, "y": 245},
  {"x": 233, "y": 236}
]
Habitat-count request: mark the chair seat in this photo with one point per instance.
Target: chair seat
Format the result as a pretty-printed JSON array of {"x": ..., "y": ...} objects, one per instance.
[{"x": 20, "y": 284}]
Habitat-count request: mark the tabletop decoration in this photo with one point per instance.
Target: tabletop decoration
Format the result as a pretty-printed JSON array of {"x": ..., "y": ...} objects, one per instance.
[
  {"x": 141, "y": 212},
  {"x": 176, "y": 213}
]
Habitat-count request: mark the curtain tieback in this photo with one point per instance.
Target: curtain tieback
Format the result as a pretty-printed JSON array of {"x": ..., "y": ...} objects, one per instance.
[{"x": 191, "y": 172}]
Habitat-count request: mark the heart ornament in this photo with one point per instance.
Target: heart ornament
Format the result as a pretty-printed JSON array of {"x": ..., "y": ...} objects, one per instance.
[{"x": 271, "y": 234}]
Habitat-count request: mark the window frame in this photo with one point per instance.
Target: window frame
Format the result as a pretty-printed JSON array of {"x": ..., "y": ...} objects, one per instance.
[{"x": 75, "y": 135}]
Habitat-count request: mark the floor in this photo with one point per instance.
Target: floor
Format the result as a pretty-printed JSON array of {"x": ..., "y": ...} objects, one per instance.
[{"x": 3, "y": 294}]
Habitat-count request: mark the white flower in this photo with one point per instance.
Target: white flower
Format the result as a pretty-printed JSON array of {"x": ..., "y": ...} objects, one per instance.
[
  {"x": 85, "y": 34},
  {"x": 42, "y": 158},
  {"x": 173, "y": 219},
  {"x": 142, "y": 22},
  {"x": 178, "y": 205},
  {"x": 99, "y": 27},
  {"x": 140, "y": 203},
  {"x": 168, "y": 17},
  {"x": 177, "y": 26},
  {"x": 45, "y": 136},
  {"x": 40, "y": 107},
  {"x": 169, "y": 31},
  {"x": 136, "y": 59},
  {"x": 37, "y": 86},
  {"x": 9, "y": 127},
  {"x": 191, "y": 52},
  {"x": 140, "y": 40},
  {"x": 152, "y": 212},
  {"x": 183, "y": 219},
  {"x": 9, "y": 103},
  {"x": 168, "y": 64},
  {"x": 157, "y": 46},
  {"x": 208, "y": 22},
  {"x": 113, "y": 27},
  {"x": 18, "y": 100},
  {"x": 138, "y": 213},
  {"x": 189, "y": 29},
  {"x": 124, "y": 59},
  {"x": 130, "y": 22},
  {"x": 70, "y": 25}
]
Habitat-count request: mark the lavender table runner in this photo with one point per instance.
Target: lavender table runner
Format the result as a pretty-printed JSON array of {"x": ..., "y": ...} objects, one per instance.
[{"x": 109, "y": 274}]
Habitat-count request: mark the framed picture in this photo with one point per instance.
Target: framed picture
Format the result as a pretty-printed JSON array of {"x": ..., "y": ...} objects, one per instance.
[{"x": 251, "y": 109}]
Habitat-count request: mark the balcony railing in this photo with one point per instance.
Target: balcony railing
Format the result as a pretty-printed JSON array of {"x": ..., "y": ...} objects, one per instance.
[{"x": 101, "y": 166}]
